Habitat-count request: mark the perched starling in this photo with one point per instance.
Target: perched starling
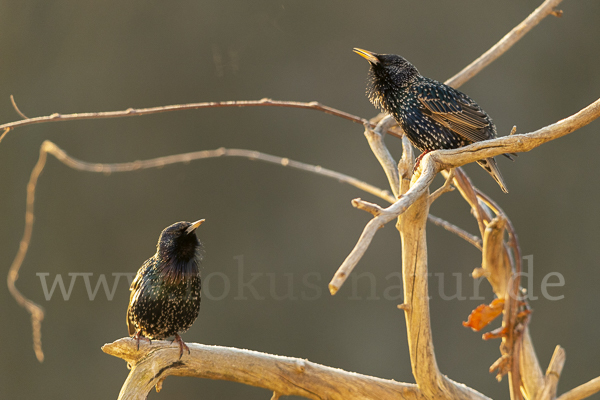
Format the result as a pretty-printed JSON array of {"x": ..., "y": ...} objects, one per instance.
[
  {"x": 433, "y": 115},
  {"x": 165, "y": 294}
]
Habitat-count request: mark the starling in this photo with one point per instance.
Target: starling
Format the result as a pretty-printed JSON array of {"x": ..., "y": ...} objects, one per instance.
[
  {"x": 434, "y": 116},
  {"x": 165, "y": 294}
]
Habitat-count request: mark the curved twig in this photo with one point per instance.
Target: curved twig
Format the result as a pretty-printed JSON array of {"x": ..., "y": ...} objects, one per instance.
[
  {"x": 14, "y": 104},
  {"x": 36, "y": 311},
  {"x": 512, "y": 37}
]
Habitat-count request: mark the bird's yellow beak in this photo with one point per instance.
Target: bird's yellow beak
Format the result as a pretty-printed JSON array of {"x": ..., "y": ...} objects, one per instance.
[
  {"x": 194, "y": 226},
  {"x": 370, "y": 56}
]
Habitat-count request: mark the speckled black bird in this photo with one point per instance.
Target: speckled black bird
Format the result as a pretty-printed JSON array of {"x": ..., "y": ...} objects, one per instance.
[
  {"x": 433, "y": 115},
  {"x": 165, "y": 294}
]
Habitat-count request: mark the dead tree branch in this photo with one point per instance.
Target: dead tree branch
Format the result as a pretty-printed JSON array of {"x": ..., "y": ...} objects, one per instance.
[
  {"x": 436, "y": 161},
  {"x": 512, "y": 37},
  {"x": 410, "y": 204},
  {"x": 429, "y": 379},
  {"x": 581, "y": 392},
  {"x": 131, "y": 112},
  {"x": 286, "y": 376}
]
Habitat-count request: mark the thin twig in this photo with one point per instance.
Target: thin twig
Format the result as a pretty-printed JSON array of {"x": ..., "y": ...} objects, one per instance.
[
  {"x": 371, "y": 208},
  {"x": 36, "y": 311},
  {"x": 445, "y": 188},
  {"x": 14, "y": 104},
  {"x": 512, "y": 37},
  {"x": 474, "y": 240},
  {"x": 6, "y": 130},
  {"x": 131, "y": 112}
]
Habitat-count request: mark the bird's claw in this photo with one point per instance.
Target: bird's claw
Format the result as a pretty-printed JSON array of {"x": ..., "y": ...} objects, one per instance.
[
  {"x": 182, "y": 345},
  {"x": 138, "y": 335}
]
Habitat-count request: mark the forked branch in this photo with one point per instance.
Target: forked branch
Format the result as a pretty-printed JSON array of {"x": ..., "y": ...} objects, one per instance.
[{"x": 436, "y": 161}]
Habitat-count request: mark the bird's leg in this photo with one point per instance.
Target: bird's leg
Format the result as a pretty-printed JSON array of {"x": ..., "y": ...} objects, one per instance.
[
  {"x": 418, "y": 160},
  {"x": 138, "y": 335},
  {"x": 182, "y": 345}
]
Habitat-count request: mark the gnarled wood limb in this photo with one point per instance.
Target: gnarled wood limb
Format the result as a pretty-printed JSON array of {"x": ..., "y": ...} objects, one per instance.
[
  {"x": 516, "y": 143},
  {"x": 436, "y": 161},
  {"x": 411, "y": 225},
  {"x": 429, "y": 379},
  {"x": 286, "y": 376}
]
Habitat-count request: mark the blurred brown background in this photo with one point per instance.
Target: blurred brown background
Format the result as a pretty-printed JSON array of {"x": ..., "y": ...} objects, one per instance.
[{"x": 72, "y": 56}]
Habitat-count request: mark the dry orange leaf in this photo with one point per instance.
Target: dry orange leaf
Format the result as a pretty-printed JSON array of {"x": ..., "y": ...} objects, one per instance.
[{"x": 484, "y": 314}]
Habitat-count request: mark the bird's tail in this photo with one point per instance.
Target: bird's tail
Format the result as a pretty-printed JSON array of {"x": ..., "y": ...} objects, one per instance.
[{"x": 489, "y": 164}]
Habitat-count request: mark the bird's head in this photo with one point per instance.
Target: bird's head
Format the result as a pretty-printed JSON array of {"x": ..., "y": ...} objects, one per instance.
[
  {"x": 178, "y": 242},
  {"x": 388, "y": 75}
]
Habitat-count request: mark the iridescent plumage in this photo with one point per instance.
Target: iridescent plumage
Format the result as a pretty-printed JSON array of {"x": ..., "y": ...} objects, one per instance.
[
  {"x": 433, "y": 115},
  {"x": 165, "y": 293}
]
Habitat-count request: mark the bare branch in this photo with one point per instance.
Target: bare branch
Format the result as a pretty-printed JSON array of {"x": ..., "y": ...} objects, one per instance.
[
  {"x": 553, "y": 372},
  {"x": 495, "y": 263},
  {"x": 131, "y": 112},
  {"x": 387, "y": 214},
  {"x": 427, "y": 375},
  {"x": 438, "y": 160},
  {"x": 285, "y": 376},
  {"x": 512, "y": 37},
  {"x": 467, "y": 191},
  {"x": 445, "y": 188},
  {"x": 6, "y": 130},
  {"x": 381, "y": 152},
  {"x": 517, "y": 143},
  {"x": 531, "y": 372},
  {"x": 581, "y": 392},
  {"x": 371, "y": 208},
  {"x": 36, "y": 311},
  {"x": 474, "y": 240}
]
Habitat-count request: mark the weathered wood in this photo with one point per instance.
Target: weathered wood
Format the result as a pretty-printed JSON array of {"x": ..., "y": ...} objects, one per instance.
[{"x": 286, "y": 376}]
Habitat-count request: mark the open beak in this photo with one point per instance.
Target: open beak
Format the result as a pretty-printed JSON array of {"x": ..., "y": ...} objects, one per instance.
[
  {"x": 370, "y": 56},
  {"x": 194, "y": 226}
]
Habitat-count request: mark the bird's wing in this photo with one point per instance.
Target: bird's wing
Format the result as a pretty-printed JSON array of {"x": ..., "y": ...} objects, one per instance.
[
  {"x": 134, "y": 288},
  {"x": 138, "y": 277},
  {"x": 457, "y": 112}
]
